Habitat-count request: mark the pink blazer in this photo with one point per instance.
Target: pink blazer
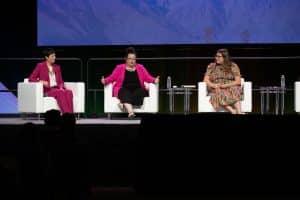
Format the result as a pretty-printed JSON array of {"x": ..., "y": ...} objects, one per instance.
[
  {"x": 41, "y": 73},
  {"x": 118, "y": 74}
]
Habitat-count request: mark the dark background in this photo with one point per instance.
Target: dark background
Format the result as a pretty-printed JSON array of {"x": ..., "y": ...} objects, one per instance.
[
  {"x": 263, "y": 160},
  {"x": 260, "y": 63}
]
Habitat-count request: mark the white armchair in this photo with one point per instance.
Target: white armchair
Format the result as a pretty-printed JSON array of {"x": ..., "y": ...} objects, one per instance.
[
  {"x": 150, "y": 104},
  {"x": 205, "y": 106},
  {"x": 297, "y": 96},
  {"x": 31, "y": 97}
]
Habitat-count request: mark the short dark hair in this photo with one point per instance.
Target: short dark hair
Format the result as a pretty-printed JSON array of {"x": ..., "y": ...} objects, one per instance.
[
  {"x": 130, "y": 50},
  {"x": 47, "y": 52}
]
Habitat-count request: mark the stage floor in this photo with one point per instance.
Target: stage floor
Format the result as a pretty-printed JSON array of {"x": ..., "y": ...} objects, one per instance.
[
  {"x": 123, "y": 120},
  {"x": 87, "y": 121}
]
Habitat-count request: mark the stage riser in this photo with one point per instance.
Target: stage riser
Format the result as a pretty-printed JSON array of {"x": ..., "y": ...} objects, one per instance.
[{"x": 200, "y": 153}]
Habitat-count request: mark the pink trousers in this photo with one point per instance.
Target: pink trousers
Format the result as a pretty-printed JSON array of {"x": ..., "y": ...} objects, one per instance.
[{"x": 64, "y": 99}]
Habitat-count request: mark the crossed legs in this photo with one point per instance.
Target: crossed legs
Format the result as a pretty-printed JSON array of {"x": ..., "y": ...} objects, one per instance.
[
  {"x": 234, "y": 108},
  {"x": 129, "y": 98}
]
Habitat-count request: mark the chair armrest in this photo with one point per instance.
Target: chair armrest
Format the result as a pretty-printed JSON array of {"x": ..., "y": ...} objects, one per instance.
[
  {"x": 297, "y": 96},
  {"x": 203, "y": 99},
  {"x": 30, "y": 97},
  {"x": 108, "y": 90},
  {"x": 246, "y": 104},
  {"x": 151, "y": 103},
  {"x": 109, "y": 101},
  {"x": 153, "y": 90},
  {"x": 202, "y": 90},
  {"x": 78, "y": 90}
]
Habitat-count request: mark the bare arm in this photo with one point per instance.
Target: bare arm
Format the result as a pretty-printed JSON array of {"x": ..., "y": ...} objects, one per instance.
[
  {"x": 207, "y": 78},
  {"x": 209, "y": 83},
  {"x": 156, "y": 81}
]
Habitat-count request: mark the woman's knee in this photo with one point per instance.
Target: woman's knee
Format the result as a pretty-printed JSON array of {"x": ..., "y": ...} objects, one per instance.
[{"x": 69, "y": 92}]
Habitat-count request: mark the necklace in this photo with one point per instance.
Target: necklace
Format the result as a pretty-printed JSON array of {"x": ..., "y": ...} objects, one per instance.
[{"x": 130, "y": 69}]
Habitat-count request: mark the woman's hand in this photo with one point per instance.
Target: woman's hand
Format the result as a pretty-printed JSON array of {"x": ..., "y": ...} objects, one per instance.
[
  {"x": 156, "y": 81},
  {"x": 45, "y": 83},
  {"x": 216, "y": 86},
  {"x": 223, "y": 86},
  {"x": 102, "y": 80}
]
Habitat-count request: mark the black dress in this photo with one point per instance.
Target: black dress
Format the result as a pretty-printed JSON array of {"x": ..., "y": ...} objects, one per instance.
[{"x": 131, "y": 91}]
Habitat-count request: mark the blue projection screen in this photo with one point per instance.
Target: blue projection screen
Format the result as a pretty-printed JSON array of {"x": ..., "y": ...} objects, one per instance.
[{"x": 146, "y": 22}]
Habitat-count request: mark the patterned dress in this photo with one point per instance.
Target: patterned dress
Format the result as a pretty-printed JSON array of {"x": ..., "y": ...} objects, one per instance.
[{"x": 223, "y": 96}]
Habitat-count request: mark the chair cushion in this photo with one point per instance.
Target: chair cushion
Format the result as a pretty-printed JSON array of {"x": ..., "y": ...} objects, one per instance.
[{"x": 50, "y": 103}]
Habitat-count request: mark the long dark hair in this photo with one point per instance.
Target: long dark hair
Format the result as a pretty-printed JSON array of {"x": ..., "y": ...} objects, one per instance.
[{"x": 227, "y": 59}]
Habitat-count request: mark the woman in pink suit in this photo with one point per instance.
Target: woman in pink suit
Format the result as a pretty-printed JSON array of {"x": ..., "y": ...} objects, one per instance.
[
  {"x": 49, "y": 74},
  {"x": 128, "y": 79}
]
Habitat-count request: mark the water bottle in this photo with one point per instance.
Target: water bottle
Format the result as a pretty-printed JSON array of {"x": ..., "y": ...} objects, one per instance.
[
  {"x": 282, "y": 82},
  {"x": 169, "y": 82}
]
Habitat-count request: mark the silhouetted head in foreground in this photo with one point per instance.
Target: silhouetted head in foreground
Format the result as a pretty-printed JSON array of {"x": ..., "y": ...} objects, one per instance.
[{"x": 52, "y": 118}]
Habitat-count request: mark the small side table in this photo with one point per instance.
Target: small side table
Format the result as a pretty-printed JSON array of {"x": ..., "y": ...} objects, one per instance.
[
  {"x": 265, "y": 94},
  {"x": 186, "y": 92}
]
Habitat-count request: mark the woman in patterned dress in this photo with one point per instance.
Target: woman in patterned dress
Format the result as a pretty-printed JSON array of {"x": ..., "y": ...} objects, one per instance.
[{"x": 223, "y": 79}]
